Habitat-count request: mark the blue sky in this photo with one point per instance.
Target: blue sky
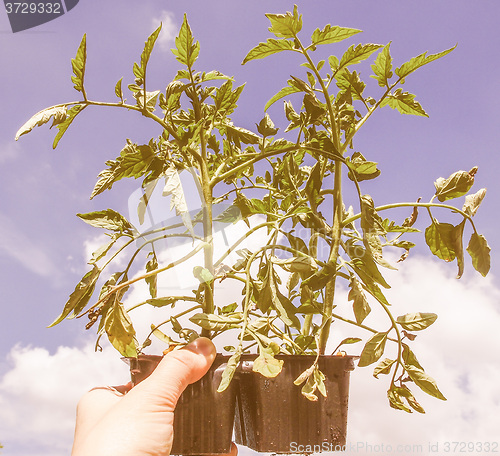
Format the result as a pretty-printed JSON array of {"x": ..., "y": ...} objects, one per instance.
[{"x": 42, "y": 243}]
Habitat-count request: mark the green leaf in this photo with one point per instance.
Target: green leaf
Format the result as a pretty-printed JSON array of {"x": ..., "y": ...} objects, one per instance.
[
  {"x": 120, "y": 331},
  {"x": 149, "y": 97},
  {"x": 332, "y": 34},
  {"x": 118, "y": 89},
  {"x": 458, "y": 184},
  {"x": 161, "y": 335},
  {"x": 271, "y": 46},
  {"x": 416, "y": 321},
  {"x": 416, "y": 62},
  {"x": 146, "y": 53},
  {"x": 350, "y": 81},
  {"x": 203, "y": 274},
  {"x": 285, "y": 25},
  {"x": 230, "y": 369},
  {"x": 187, "y": 50},
  {"x": 356, "y": 54},
  {"x": 395, "y": 400},
  {"x": 78, "y": 64},
  {"x": 409, "y": 358},
  {"x": 457, "y": 235},
  {"x": 404, "y": 102},
  {"x": 384, "y": 367},
  {"x": 58, "y": 113},
  {"x": 63, "y": 126},
  {"x": 134, "y": 161},
  {"x": 267, "y": 365},
  {"x": 107, "y": 219},
  {"x": 266, "y": 126},
  {"x": 479, "y": 250},
  {"x": 360, "y": 168},
  {"x": 152, "y": 265},
  {"x": 313, "y": 185},
  {"x": 472, "y": 202},
  {"x": 424, "y": 382},
  {"x": 173, "y": 187},
  {"x": 162, "y": 302},
  {"x": 217, "y": 322},
  {"x": 81, "y": 296},
  {"x": 382, "y": 67},
  {"x": 225, "y": 97},
  {"x": 445, "y": 241},
  {"x": 373, "y": 350},
  {"x": 360, "y": 303},
  {"x": 281, "y": 94}
]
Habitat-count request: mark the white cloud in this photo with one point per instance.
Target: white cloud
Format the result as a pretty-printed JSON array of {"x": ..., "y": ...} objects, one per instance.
[
  {"x": 9, "y": 151},
  {"x": 21, "y": 248},
  {"x": 39, "y": 393},
  {"x": 168, "y": 31}
]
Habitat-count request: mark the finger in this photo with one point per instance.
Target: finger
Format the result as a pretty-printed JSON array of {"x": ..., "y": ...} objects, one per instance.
[{"x": 176, "y": 371}]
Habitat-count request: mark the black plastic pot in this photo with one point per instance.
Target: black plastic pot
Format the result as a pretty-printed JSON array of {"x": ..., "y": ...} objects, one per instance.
[
  {"x": 273, "y": 416},
  {"x": 204, "y": 418}
]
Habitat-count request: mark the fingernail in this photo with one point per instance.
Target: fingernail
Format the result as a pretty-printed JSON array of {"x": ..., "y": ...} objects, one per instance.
[{"x": 203, "y": 346}]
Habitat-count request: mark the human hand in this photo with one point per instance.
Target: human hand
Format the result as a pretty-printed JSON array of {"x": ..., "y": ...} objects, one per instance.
[{"x": 140, "y": 422}]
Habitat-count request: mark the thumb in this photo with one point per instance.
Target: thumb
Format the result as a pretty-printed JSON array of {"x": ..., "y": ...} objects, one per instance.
[{"x": 176, "y": 371}]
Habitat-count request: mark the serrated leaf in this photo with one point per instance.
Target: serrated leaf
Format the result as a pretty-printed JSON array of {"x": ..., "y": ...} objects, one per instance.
[
  {"x": 360, "y": 303},
  {"x": 472, "y": 202},
  {"x": 134, "y": 161},
  {"x": 285, "y": 25},
  {"x": 352, "y": 82},
  {"x": 458, "y": 184},
  {"x": 360, "y": 168},
  {"x": 404, "y": 102},
  {"x": 150, "y": 99},
  {"x": 382, "y": 67},
  {"x": 373, "y": 349},
  {"x": 271, "y": 46},
  {"x": 416, "y": 321},
  {"x": 332, "y": 34},
  {"x": 439, "y": 238},
  {"x": 80, "y": 296},
  {"x": 409, "y": 357},
  {"x": 266, "y": 126},
  {"x": 267, "y": 365},
  {"x": 384, "y": 367},
  {"x": 118, "y": 89},
  {"x": 58, "y": 113},
  {"x": 225, "y": 97},
  {"x": 187, "y": 50},
  {"x": 78, "y": 64},
  {"x": 416, "y": 62},
  {"x": 146, "y": 53},
  {"x": 425, "y": 382},
  {"x": 281, "y": 94},
  {"x": 152, "y": 265},
  {"x": 173, "y": 187},
  {"x": 479, "y": 250},
  {"x": 356, "y": 54},
  {"x": 120, "y": 331},
  {"x": 203, "y": 274},
  {"x": 107, "y": 219},
  {"x": 161, "y": 335},
  {"x": 217, "y": 322},
  {"x": 230, "y": 369},
  {"x": 63, "y": 126}
]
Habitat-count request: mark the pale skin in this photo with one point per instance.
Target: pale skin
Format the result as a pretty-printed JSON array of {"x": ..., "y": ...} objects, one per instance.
[{"x": 138, "y": 421}]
